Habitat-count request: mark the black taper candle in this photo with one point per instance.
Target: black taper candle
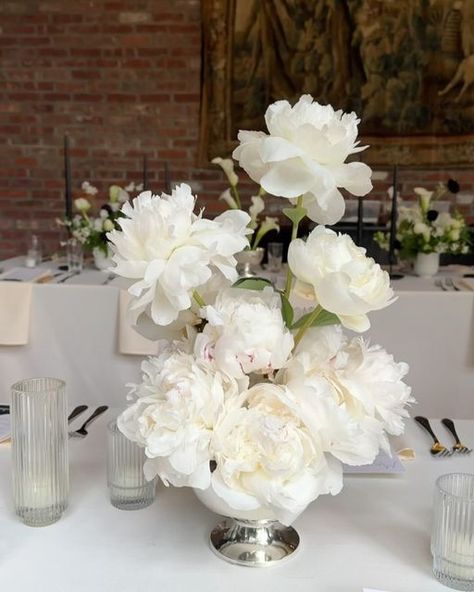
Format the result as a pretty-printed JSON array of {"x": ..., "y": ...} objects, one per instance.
[
  {"x": 360, "y": 221},
  {"x": 145, "y": 173},
  {"x": 67, "y": 178},
  {"x": 393, "y": 226},
  {"x": 167, "y": 179}
]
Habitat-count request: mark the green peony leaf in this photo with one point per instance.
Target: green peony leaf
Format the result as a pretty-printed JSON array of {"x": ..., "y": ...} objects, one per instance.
[
  {"x": 324, "y": 318},
  {"x": 295, "y": 214},
  {"x": 287, "y": 311},
  {"x": 253, "y": 283}
]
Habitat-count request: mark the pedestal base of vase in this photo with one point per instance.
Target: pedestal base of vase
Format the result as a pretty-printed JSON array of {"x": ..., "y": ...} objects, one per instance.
[{"x": 254, "y": 543}]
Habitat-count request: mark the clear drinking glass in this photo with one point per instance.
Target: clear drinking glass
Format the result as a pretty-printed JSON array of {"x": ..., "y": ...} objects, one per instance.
[
  {"x": 452, "y": 541},
  {"x": 275, "y": 256},
  {"x": 129, "y": 490},
  {"x": 33, "y": 255},
  {"x": 39, "y": 450},
  {"x": 75, "y": 255}
]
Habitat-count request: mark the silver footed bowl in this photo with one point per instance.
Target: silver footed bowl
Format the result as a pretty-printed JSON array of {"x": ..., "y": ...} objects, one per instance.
[
  {"x": 249, "y": 538},
  {"x": 249, "y": 261}
]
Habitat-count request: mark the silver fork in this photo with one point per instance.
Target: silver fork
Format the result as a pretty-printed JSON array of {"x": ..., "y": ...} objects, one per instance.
[
  {"x": 440, "y": 284},
  {"x": 110, "y": 277},
  {"x": 437, "y": 449},
  {"x": 82, "y": 431},
  {"x": 450, "y": 283},
  {"x": 458, "y": 447}
]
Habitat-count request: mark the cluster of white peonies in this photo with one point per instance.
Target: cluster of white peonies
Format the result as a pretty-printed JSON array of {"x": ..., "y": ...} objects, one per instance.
[{"x": 246, "y": 401}]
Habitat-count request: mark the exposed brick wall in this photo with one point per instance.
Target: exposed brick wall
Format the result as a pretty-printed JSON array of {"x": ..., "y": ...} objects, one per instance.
[{"x": 121, "y": 78}]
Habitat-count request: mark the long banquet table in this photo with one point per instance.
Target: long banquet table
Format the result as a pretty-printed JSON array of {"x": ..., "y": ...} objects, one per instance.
[
  {"x": 73, "y": 336},
  {"x": 375, "y": 534}
]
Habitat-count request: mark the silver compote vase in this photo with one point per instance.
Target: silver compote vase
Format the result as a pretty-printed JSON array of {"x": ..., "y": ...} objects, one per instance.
[{"x": 250, "y": 538}]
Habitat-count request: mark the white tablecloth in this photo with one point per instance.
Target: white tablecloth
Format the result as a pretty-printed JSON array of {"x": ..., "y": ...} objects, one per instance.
[
  {"x": 74, "y": 336},
  {"x": 375, "y": 534}
]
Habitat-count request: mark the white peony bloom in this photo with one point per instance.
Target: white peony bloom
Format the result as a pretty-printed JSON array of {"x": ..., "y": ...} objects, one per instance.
[
  {"x": 366, "y": 385},
  {"x": 172, "y": 252},
  {"x": 245, "y": 332},
  {"x": 82, "y": 205},
  {"x": 340, "y": 276},
  {"x": 227, "y": 165},
  {"x": 89, "y": 189},
  {"x": 180, "y": 401},
  {"x": 267, "y": 457},
  {"x": 304, "y": 154}
]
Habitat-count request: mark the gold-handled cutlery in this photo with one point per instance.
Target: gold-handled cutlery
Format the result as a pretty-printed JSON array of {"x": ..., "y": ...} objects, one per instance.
[
  {"x": 437, "y": 450},
  {"x": 458, "y": 446}
]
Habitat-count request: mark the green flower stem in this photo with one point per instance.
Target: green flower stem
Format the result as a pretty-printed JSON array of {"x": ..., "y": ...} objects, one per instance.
[
  {"x": 309, "y": 321},
  {"x": 198, "y": 299},
  {"x": 294, "y": 234},
  {"x": 236, "y": 196}
]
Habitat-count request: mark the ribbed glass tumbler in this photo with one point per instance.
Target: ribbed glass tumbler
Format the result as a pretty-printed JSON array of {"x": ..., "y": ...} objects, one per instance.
[
  {"x": 129, "y": 490},
  {"x": 452, "y": 541},
  {"x": 39, "y": 450}
]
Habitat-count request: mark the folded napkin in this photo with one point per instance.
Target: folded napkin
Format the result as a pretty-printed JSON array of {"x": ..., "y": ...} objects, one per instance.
[
  {"x": 129, "y": 341},
  {"x": 466, "y": 283},
  {"x": 15, "y": 304}
]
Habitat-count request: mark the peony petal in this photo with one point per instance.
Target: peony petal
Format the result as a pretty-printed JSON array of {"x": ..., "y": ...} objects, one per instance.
[
  {"x": 354, "y": 177},
  {"x": 358, "y": 323},
  {"x": 334, "y": 294},
  {"x": 326, "y": 209},
  {"x": 274, "y": 149},
  {"x": 290, "y": 178}
]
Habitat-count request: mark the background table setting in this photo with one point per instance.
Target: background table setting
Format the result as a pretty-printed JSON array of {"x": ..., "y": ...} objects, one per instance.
[{"x": 78, "y": 332}]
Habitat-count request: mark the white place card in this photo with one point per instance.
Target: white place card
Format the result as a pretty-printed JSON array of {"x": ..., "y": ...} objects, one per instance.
[
  {"x": 383, "y": 464},
  {"x": 24, "y": 274}
]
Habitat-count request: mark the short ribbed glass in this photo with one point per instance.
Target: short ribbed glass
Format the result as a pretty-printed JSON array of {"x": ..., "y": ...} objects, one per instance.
[
  {"x": 129, "y": 490},
  {"x": 39, "y": 450},
  {"x": 452, "y": 541}
]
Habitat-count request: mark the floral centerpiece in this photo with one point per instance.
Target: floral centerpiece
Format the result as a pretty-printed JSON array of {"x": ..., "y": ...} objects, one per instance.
[
  {"x": 423, "y": 233},
  {"x": 91, "y": 222},
  {"x": 257, "y": 396}
]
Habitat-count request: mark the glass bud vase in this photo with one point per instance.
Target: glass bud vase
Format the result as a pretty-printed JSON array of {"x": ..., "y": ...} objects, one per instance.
[{"x": 39, "y": 450}]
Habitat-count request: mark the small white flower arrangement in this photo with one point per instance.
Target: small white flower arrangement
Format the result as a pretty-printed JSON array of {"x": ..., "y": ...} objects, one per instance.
[
  {"x": 422, "y": 229},
  {"x": 92, "y": 221},
  {"x": 249, "y": 398}
]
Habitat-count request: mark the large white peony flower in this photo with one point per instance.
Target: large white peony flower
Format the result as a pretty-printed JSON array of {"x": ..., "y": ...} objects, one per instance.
[
  {"x": 180, "y": 401},
  {"x": 304, "y": 154},
  {"x": 171, "y": 251},
  {"x": 267, "y": 457},
  {"x": 330, "y": 267},
  {"x": 365, "y": 383},
  {"x": 245, "y": 332}
]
